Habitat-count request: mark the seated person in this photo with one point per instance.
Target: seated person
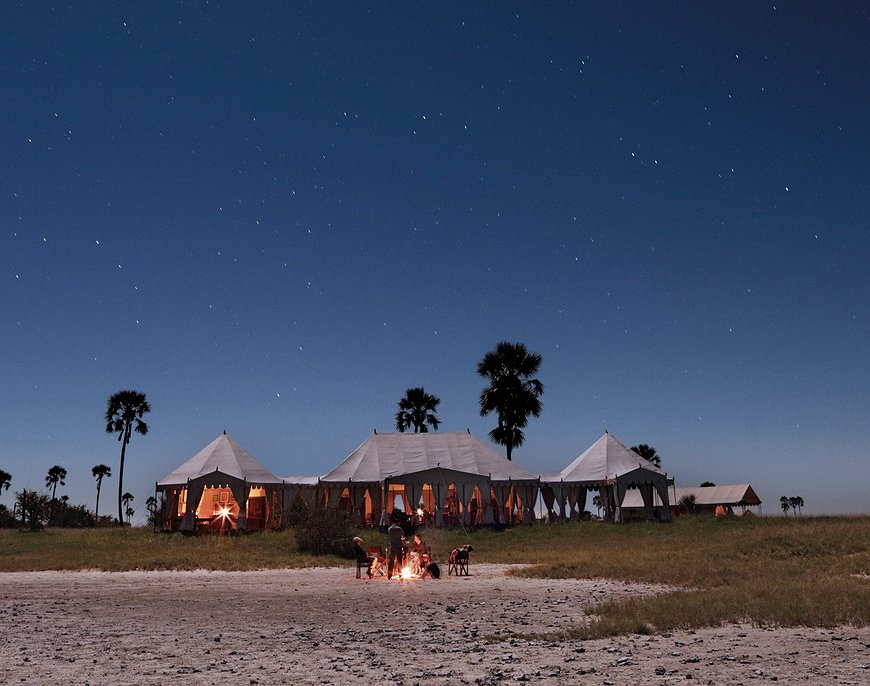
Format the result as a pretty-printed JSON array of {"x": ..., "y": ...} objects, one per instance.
[
  {"x": 362, "y": 556},
  {"x": 419, "y": 555}
]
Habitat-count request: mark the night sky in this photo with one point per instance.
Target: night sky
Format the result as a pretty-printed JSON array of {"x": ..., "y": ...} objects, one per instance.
[{"x": 273, "y": 218}]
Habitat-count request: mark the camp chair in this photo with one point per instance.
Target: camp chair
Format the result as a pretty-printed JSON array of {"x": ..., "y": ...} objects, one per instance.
[
  {"x": 457, "y": 563},
  {"x": 380, "y": 559},
  {"x": 367, "y": 564}
]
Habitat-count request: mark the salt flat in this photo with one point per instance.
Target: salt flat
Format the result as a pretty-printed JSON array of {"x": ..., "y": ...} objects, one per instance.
[{"x": 323, "y": 626}]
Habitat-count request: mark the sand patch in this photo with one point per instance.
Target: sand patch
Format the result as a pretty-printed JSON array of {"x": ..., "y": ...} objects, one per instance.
[{"x": 323, "y": 626}]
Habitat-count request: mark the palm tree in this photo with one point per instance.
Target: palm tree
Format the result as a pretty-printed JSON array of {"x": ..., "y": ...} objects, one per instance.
[
  {"x": 100, "y": 471},
  {"x": 56, "y": 475},
  {"x": 124, "y": 413},
  {"x": 513, "y": 392},
  {"x": 598, "y": 503},
  {"x": 799, "y": 502},
  {"x": 417, "y": 408},
  {"x": 5, "y": 480},
  {"x": 784, "y": 504},
  {"x": 648, "y": 453},
  {"x": 126, "y": 499},
  {"x": 129, "y": 512}
]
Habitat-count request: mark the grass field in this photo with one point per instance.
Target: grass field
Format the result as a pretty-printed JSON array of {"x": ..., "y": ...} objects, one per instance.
[{"x": 780, "y": 571}]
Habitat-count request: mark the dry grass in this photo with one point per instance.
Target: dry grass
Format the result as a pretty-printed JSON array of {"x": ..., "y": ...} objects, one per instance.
[
  {"x": 124, "y": 549},
  {"x": 766, "y": 571}
]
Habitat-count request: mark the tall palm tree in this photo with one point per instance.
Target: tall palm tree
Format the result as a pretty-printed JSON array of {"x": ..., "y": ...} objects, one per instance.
[
  {"x": 100, "y": 471},
  {"x": 417, "y": 408},
  {"x": 513, "y": 392},
  {"x": 784, "y": 504},
  {"x": 648, "y": 453},
  {"x": 124, "y": 413},
  {"x": 56, "y": 475},
  {"x": 5, "y": 480}
]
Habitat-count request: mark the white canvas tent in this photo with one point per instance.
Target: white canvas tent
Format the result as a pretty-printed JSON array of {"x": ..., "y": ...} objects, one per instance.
[
  {"x": 706, "y": 497},
  {"x": 222, "y": 485},
  {"x": 450, "y": 477},
  {"x": 612, "y": 469}
]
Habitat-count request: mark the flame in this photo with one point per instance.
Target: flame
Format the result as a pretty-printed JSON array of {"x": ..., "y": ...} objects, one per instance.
[
  {"x": 420, "y": 512},
  {"x": 406, "y": 573}
]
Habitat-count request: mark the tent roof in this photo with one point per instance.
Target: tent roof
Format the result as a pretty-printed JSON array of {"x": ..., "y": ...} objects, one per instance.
[
  {"x": 225, "y": 456},
  {"x": 739, "y": 494},
  {"x": 605, "y": 459},
  {"x": 300, "y": 480},
  {"x": 389, "y": 455}
]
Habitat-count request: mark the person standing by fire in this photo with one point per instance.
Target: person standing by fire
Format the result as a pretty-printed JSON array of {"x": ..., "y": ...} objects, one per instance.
[{"x": 397, "y": 547}]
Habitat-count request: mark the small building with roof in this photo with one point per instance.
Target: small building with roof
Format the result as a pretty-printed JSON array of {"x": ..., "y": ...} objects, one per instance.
[{"x": 728, "y": 499}]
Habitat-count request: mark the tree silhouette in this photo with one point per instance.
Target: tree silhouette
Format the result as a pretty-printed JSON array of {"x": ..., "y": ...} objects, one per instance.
[
  {"x": 124, "y": 413},
  {"x": 56, "y": 475},
  {"x": 100, "y": 471},
  {"x": 513, "y": 393},
  {"x": 796, "y": 502},
  {"x": 784, "y": 504},
  {"x": 688, "y": 503},
  {"x": 417, "y": 408},
  {"x": 648, "y": 453},
  {"x": 5, "y": 480},
  {"x": 126, "y": 499},
  {"x": 33, "y": 507},
  {"x": 598, "y": 502}
]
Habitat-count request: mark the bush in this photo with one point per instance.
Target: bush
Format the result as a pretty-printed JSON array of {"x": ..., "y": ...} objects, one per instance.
[
  {"x": 7, "y": 520},
  {"x": 33, "y": 508},
  {"x": 325, "y": 532},
  {"x": 298, "y": 513},
  {"x": 72, "y": 517}
]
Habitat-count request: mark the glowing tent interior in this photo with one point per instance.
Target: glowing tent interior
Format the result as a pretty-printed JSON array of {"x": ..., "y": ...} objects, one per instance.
[
  {"x": 443, "y": 478},
  {"x": 221, "y": 488}
]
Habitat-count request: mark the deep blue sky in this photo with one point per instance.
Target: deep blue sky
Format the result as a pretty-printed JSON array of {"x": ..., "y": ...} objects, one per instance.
[{"x": 274, "y": 218}]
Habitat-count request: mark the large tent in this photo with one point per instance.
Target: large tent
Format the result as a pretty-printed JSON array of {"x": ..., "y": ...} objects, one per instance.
[
  {"x": 612, "y": 469},
  {"x": 441, "y": 478},
  {"x": 221, "y": 487}
]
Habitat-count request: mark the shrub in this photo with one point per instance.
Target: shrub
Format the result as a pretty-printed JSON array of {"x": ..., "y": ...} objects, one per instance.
[
  {"x": 33, "y": 508},
  {"x": 7, "y": 520},
  {"x": 325, "y": 532}
]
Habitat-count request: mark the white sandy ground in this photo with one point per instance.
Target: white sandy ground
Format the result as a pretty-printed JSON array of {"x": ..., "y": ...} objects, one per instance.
[{"x": 323, "y": 626}]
